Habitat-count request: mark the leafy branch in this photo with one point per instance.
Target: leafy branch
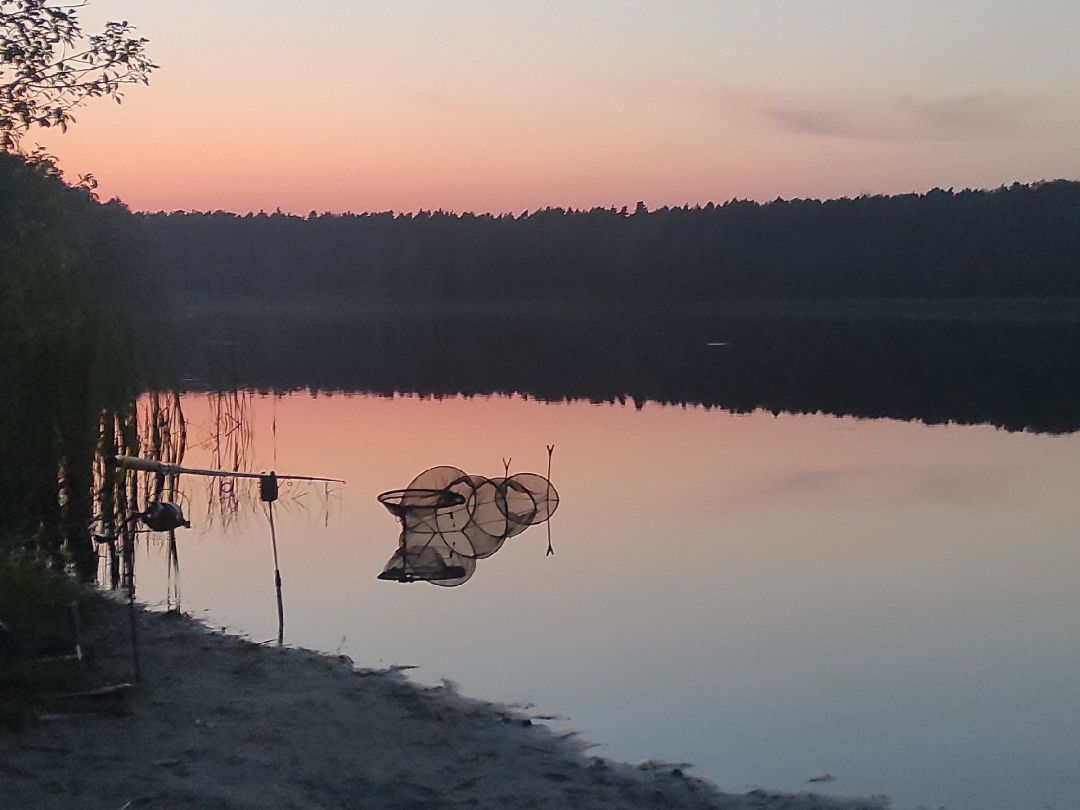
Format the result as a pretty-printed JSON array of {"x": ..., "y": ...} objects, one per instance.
[{"x": 48, "y": 66}]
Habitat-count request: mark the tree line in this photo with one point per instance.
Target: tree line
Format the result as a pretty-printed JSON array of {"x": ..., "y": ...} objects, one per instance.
[{"x": 1015, "y": 241}]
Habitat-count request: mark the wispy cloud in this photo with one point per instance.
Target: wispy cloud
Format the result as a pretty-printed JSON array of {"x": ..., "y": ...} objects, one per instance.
[{"x": 981, "y": 116}]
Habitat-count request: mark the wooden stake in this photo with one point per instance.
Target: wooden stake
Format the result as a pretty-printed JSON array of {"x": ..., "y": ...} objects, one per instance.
[{"x": 550, "y": 548}]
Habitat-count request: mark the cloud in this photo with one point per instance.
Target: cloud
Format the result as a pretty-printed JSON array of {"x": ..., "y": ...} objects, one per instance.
[{"x": 968, "y": 117}]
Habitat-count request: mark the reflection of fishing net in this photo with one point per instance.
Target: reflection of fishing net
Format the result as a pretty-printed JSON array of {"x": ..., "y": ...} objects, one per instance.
[{"x": 450, "y": 519}]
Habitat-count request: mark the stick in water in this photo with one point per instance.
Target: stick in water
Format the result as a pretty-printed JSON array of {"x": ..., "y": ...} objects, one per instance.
[
  {"x": 268, "y": 492},
  {"x": 550, "y": 549}
]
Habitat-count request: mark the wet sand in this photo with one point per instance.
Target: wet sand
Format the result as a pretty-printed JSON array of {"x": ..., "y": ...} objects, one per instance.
[{"x": 221, "y": 722}]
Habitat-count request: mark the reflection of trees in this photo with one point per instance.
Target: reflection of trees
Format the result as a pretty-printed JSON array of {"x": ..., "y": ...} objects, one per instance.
[
  {"x": 157, "y": 428},
  {"x": 229, "y": 438},
  {"x": 165, "y": 439},
  {"x": 1008, "y": 365},
  {"x": 117, "y": 494}
]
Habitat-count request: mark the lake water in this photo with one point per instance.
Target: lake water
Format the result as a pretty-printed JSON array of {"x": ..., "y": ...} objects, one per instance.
[{"x": 768, "y": 597}]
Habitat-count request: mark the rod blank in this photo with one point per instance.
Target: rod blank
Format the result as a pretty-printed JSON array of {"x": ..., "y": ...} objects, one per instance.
[{"x": 151, "y": 465}]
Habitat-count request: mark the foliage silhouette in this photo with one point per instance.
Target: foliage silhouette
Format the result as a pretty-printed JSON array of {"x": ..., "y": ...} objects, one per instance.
[
  {"x": 48, "y": 66},
  {"x": 63, "y": 258}
]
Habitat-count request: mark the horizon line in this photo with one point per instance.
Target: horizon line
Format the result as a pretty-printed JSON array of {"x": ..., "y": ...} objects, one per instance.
[{"x": 640, "y": 205}]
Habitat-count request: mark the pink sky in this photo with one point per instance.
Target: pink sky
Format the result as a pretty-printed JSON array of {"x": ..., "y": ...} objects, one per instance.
[{"x": 509, "y": 106}]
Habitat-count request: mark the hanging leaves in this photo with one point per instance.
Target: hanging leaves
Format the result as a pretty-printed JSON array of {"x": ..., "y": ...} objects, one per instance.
[{"x": 48, "y": 66}]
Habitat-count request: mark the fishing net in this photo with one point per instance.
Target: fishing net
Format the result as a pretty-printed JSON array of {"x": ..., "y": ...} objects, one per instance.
[{"x": 450, "y": 519}]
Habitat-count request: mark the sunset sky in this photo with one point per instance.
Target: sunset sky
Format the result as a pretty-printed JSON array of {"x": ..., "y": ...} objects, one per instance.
[{"x": 339, "y": 105}]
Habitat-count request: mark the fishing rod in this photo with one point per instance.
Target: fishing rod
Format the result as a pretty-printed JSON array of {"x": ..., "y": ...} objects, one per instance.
[
  {"x": 165, "y": 468},
  {"x": 268, "y": 493}
]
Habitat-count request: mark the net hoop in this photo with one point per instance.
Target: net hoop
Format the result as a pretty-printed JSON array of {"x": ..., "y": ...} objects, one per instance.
[
  {"x": 429, "y": 563},
  {"x": 407, "y": 576},
  {"x": 401, "y": 502}
]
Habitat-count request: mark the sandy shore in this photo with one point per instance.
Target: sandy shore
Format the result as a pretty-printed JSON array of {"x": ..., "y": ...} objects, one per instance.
[{"x": 220, "y": 722}]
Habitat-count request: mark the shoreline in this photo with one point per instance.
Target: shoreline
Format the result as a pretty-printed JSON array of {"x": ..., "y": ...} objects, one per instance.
[{"x": 222, "y": 722}]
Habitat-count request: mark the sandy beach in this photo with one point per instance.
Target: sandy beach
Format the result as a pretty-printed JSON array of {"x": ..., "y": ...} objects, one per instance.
[{"x": 221, "y": 722}]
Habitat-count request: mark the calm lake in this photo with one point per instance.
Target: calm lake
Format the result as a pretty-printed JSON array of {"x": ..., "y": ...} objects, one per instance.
[{"x": 772, "y": 598}]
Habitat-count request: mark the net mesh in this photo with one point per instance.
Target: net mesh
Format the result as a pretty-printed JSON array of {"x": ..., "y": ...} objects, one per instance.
[{"x": 450, "y": 519}]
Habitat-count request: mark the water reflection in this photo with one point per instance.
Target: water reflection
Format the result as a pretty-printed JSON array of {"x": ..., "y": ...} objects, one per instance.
[
  {"x": 133, "y": 501},
  {"x": 766, "y": 597},
  {"x": 153, "y": 429},
  {"x": 1007, "y": 366}
]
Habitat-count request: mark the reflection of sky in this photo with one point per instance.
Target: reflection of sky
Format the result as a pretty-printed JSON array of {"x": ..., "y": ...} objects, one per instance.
[
  {"x": 334, "y": 105},
  {"x": 766, "y": 597}
]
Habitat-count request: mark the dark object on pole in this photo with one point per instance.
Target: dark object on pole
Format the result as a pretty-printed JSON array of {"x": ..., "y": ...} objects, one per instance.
[
  {"x": 268, "y": 488},
  {"x": 163, "y": 516}
]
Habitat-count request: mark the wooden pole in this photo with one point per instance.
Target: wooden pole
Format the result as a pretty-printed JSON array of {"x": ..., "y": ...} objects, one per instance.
[
  {"x": 550, "y": 548},
  {"x": 268, "y": 493},
  {"x": 277, "y": 579},
  {"x": 151, "y": 465}
]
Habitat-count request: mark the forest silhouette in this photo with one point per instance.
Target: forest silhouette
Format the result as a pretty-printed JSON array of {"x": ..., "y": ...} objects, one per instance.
[{"x": 1016, "y": 241}]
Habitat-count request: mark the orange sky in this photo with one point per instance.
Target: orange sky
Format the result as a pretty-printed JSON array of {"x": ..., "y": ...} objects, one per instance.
[{"x": 474, "y": 105}]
